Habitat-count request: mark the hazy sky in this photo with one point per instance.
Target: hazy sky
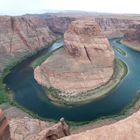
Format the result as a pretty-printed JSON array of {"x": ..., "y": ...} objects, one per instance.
[{"x": 18, "y": 7}]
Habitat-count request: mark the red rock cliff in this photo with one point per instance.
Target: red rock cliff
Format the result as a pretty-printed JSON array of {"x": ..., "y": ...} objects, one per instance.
[
  {"x": 132, "y": 37},
  {"x": 21, "y": 35},
  {"x": 4, "y": 127}
]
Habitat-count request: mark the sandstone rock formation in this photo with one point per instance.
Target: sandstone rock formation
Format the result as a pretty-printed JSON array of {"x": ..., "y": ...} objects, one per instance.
[
  {"x": 33, "y": 129},
  {"x": 4, "y": 127},
  {"x": 85, "y": 62},
  {"x": 112, "y": 26},
  {"x": 127, "y": 129},
  {"x": 132, "y": 37},
  {"x": 22, "y": 35}
]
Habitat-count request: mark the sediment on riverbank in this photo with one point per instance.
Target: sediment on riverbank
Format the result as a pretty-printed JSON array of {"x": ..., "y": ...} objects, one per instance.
[
  {"x": 56, "y": 96},
  {"x": 132, "y": 45}
]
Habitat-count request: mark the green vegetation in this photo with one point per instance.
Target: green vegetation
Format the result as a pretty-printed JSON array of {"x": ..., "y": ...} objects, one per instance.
[
  {"x": 121, "y": 51},
  {"x": 5, "y": 95},
  {"x": 120, "y": 70},
  {"x": 4, "y": 92},
  {"x": 41, "y": 59},
  {"x": 127, "y": 111}
]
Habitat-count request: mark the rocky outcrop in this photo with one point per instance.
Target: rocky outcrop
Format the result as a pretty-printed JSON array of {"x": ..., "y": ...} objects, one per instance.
[
  {"x": 33, "y": 129},
  {"x": 4, "y": 127},
  {"x": 126, "y": 129},
  {"x": 85, "y": 62},
  {"x": 132, "y": 37},
  {"x": 20, "y": 36}
]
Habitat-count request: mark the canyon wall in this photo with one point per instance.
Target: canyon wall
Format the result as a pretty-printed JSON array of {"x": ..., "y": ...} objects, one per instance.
[
  {"x": 4, "y": 127},
  {"x": 20, "y": 36},
  {"x": 112, "y": 26},
  {"x": 33, "y": 129},
  {"x": 132, "y": 37},
  {"x": 85, "y": 62}
]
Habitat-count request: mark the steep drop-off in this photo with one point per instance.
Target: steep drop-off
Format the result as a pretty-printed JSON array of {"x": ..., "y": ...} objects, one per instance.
[
  {"x": 20, "y": 36},
  {"x": 132, "y": 37},
  {"x": 126, "y": 129},
  {"x": 112, "y": 26}
]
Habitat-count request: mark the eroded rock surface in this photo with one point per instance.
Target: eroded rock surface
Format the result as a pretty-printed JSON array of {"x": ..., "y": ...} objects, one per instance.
[
  {"x": 33, "y": 129},
  {"x": 127, "y": 129},
  {"x": 20, "y": 36},
  {"x": 85, "y": 62},
  {"x": 112, "y": 26},
  {"x": 132, "y": 37},
  {"x": 4, "y": 127}
]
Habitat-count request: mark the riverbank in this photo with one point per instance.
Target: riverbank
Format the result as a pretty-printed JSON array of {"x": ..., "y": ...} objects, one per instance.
[
  {"x": 129, "y": 110},
  {"x": 5, "y": 93},
  {"x": 134, "y": 46},
  {"x": 75, "y": 127},
  {"x": 121, "y": 51},
  {"x": 120, "y": 70}
]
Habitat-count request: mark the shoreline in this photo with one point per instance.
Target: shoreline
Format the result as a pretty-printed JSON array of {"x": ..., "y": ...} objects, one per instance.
[
  {"x": 4, "y": 90},
  {"x": 128, "y": 111},
  {"x": 96, "y": 123},
  {"x": 129, "y": 45},
  {"x": 120, "y": 71}
]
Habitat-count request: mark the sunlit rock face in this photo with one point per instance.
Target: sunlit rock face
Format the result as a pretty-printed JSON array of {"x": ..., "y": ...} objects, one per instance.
[
  {"x": 33, "y": 129},
  {"x": 85, "y": 62},
  {"x": 20, "y": 36},
  {"x": 111, "y": 25},
  {"x": 132, "y": 37},
  {"x": 84, "y": 41}
]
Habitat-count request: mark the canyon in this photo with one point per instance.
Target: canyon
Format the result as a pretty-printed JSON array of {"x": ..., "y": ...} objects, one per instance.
[
  {"x": 20, "y": 36},
  {"x": 112, "y": 26},
  {"x": 86, "y": 61},
  {"x": 132, "y": 37}
]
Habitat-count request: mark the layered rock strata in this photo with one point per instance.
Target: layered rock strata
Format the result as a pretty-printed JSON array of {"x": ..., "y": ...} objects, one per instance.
[
  {"x": 132, "y": 37},
  {"x": 112, "y": 26},
  {"x": 85, "y": 62},
  {"x": 20, "y": 36},
  {"x": 4, "y": 127}
]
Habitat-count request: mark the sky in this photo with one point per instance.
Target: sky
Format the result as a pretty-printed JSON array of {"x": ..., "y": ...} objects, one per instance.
[{"x": 19, "y": 7}]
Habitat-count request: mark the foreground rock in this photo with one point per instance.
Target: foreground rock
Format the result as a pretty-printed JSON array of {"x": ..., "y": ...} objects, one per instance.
[
  {"x": 85, "y": 62},
  {"x": 32, "y": 129},
  {"x": 132, "y": 37},
  {"x": 20, "y": 36},
  {"x": 4, "y": 127},
  {"x": 127, "y": 129}
]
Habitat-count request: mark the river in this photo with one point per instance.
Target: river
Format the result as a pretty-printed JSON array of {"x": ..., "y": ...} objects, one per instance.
[{"x": 29, "y": 94}]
